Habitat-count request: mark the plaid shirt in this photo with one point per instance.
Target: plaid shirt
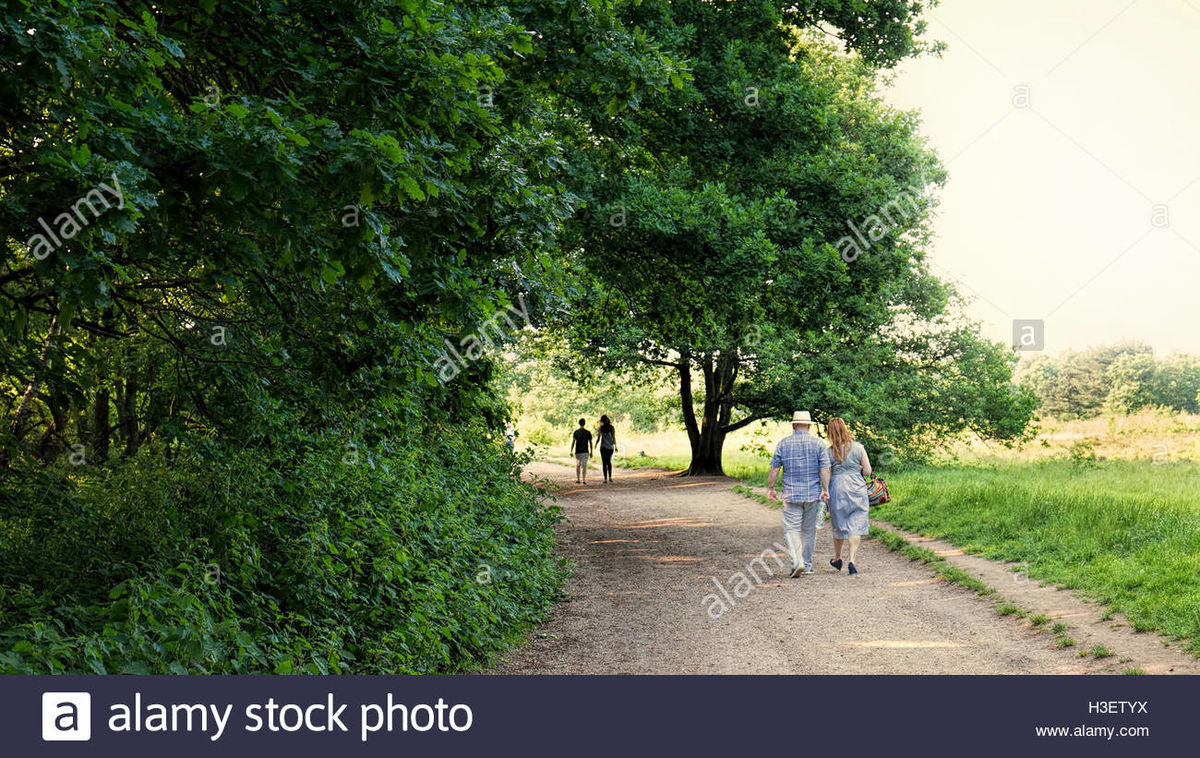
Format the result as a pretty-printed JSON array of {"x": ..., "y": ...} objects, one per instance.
[{"x": 802, "y": 456}]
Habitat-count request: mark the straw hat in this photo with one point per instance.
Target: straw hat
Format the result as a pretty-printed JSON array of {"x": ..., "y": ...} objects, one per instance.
[{"x": 802, "y": 417}]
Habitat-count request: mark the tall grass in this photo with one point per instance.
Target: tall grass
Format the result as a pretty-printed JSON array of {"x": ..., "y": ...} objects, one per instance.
[{"x": 1122, "y": 532}]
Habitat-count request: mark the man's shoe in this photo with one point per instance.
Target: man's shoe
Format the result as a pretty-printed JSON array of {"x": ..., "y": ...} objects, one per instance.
[
  {"x": 836, "y": 564},
  {"x": 808, "y": 570},
  {"x": 796, "y": 571},
  {"x": 853, "y": 570}
]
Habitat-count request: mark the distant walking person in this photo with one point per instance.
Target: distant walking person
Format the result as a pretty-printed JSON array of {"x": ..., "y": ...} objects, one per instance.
[
  {"x": 581, "y": 446},
  {"x": 608, "y": 443},
  {"x": 848, "y": 502},
  {"x": 805, "y": 463}
]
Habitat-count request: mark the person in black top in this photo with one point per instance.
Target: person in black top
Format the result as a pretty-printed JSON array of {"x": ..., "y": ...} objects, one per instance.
[
  {"x": 581, "y": 446},
  {"x": 608, "y": 443}
]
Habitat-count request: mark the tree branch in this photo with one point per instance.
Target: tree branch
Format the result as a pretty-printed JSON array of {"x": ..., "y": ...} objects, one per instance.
[
  {"x": 728, "y": 428},
  {"x": 685, "y": 395},
  {"x": 656, "y": 362}
]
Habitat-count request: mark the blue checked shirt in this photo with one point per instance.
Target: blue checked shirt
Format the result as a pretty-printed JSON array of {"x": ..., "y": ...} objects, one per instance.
[{"x": 802, "y": 456}]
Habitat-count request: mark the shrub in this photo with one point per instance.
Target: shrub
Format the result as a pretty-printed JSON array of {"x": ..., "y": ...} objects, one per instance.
[
  {"x": 1082, "y": 454},
  {"x": 426, "y": 557}
]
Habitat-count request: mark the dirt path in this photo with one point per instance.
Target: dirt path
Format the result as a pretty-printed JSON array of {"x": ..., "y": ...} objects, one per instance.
[
  {"x": 1089, "y": 624},
  {"x": 651, "y": 549}
]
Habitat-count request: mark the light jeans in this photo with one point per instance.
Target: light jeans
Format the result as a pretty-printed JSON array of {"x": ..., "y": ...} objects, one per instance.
[{"x": 800, "y": 523}]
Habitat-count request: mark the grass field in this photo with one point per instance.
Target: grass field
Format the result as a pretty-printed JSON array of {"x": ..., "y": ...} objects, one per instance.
[
  {"x": 1107, "y": 508},
  {"x": 1126, "y": 533}
]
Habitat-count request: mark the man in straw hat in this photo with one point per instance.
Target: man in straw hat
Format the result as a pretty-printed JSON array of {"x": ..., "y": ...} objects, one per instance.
[{"x": 805, "y": 462}]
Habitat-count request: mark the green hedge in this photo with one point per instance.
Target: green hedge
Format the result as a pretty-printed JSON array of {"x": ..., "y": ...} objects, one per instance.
[{"x": 321, "y": 557}]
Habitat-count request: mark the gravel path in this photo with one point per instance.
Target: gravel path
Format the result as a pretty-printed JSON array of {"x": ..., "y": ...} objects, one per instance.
[{"x": 652, "y": 548}]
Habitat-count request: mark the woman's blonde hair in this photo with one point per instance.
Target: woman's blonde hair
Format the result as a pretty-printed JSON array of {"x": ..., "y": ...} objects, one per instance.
[{"x": 839, "y": 438}]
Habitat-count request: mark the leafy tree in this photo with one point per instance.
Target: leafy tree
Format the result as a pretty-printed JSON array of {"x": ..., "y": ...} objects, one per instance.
[
  {"x": 305, "y": 197},
  {"x": 718, "y": 243},
  {"x": 1135, "y": 381},
  {"x": 1123, "y": 377},
  {"x": 236, "y": 238},
  {"x": 1182, "y": 383},
  {"x": 1140, "y": 381}
]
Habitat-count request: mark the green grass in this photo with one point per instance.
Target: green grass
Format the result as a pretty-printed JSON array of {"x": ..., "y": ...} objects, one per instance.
[
  {"x": 749, "y": 468},
  {"x": 747, "y": 492},
  {"x": 1125, "y": 533},
  {"x": 939, "y": 564},
  {"x": 1100, "y": 651}
]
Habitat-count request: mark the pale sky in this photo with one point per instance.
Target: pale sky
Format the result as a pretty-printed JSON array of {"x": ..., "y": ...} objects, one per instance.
[{"x": 1050, "y": 210}]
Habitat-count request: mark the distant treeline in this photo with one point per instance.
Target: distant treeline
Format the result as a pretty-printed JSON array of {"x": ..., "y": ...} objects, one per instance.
[{"x": 1121, "y": 378}]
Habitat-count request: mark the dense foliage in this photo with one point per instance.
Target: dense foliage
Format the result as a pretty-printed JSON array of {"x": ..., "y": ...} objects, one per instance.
[
  {"x": 403, "y": 558},
  {"x": 239, "y": 241}
]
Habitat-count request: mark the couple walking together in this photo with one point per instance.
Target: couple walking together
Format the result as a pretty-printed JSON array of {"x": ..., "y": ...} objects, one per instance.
[
  {"x": 581, "y": 447},
  {"x": 814, "y": 473}
]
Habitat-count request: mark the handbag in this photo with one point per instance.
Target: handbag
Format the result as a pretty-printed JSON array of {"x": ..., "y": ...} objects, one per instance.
[{"x": 877, "y": 491}]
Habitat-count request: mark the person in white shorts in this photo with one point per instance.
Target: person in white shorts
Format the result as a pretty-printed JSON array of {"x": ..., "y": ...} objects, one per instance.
[{"x": 581, "y": 446}]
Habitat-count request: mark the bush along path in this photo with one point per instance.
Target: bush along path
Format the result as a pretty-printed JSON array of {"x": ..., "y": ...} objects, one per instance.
[
  {"x": 690, "y": 576},
  {"x": 426, "y": 558}
]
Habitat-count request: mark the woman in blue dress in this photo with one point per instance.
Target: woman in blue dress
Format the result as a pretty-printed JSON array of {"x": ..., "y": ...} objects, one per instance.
[{"x": 848, "y": 503}]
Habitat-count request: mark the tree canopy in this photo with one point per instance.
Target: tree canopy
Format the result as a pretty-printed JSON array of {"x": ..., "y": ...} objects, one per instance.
[
  {"x": 303, "y": 204},
  {"x": 239, "y": 239},
  {"x": 760, "y": 232}
]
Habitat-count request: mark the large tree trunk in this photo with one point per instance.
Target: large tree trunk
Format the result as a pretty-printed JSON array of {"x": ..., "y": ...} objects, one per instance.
[
  {"x": 51, "y": 443},
  {"x": 706, "y": 455},
  {"x": 707, "y": 437}
]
